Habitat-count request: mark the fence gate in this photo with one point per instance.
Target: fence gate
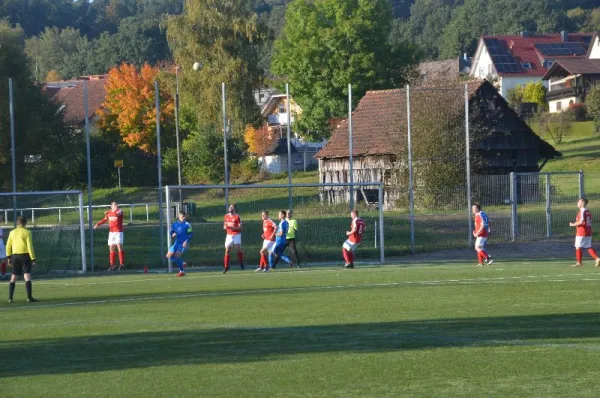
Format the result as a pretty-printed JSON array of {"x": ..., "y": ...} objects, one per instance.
[{"x": 543, "y": 204}]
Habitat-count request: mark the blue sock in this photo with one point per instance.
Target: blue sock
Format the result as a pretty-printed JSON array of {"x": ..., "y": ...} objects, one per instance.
[
  {"x": 270, "y": 260},
  {"x": 179, "y": 262},
  {"x": 286, "y": 259}
]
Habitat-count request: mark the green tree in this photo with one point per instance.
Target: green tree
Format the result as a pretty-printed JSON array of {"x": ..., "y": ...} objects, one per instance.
[
  {"x": 47, "y": 153},
  {"x": 225, "y": 38},
  {"x": 64, "y": 51},
  {"x": 592, "y": 100},
  {"x": 327, "y": 44},
  {"x": 535, "y": 92},
  {"x": 514, "y": 97}
]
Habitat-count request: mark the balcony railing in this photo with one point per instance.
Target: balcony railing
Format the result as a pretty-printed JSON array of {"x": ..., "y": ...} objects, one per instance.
[{"x": 562, "y": 93}]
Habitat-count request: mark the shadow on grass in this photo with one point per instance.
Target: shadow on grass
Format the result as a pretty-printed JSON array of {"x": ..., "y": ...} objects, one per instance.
[{"x": 218, "y": 345}]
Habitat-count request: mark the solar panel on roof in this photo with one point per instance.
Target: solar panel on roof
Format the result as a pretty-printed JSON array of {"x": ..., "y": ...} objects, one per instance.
[{"x": 561, "y": 48}]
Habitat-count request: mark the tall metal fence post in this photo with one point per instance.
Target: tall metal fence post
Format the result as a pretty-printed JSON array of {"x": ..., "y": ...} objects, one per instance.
[
  {"x": 88, "y": 155},
  {"x": 159, "y": 166},
  {"x": 289, "y": 143},
  {"x": 468, "y": 161},
  {"x": 226, "y": 166},
  {"x": 82, "y": 233},
  {"x": 581, "y": 184},
  {"x": 513, "y": 206},
  {"x": 350, "y": 147},
  {"x": 381, "y": 238},
  {"x": 548, "y": 207},
  {"x": 411, "y": 197},
  {"x": 13, "y": 155}
]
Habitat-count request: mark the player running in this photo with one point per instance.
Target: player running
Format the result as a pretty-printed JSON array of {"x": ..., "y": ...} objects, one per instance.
[
  {"x": 480, "y": 233},
  {"x": 181, "y": 231},
  {"x": 583, "y": 234},
  {"x": 2, "y": 253},
  {"x": 268, "y": 236},
  {"x": 357, "y": 229},
  {"x": 114, "y": 216},
  {"x": 233, "y": 226},
  {"x": 280, "y": 242}
]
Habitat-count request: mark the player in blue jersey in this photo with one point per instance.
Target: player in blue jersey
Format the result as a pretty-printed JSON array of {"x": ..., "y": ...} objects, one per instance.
[
  {"x": 280, "y": 242},
  {"x": 181, "y": 231}
]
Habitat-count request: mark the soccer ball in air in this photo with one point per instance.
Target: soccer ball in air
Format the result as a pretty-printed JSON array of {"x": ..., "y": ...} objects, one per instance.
[{"x": 197, "y": 66}]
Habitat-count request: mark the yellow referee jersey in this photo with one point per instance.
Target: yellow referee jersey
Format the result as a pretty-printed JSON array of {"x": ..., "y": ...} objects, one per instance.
[{"x": 19, "y": 242}]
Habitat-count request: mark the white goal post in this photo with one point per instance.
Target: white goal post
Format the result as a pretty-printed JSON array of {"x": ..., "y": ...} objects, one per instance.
[
  {"x": 49, "y": 229},
  {"x": 322, "y": 210}
]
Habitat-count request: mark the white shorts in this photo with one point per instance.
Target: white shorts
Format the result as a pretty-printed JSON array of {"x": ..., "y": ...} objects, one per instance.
[
  {"x": 480, "y": 242},
  {"x": 350, "y": 246},
  {"x": 2, "y": 250},
  {"x": 115, "y": 238},
  {"x": 584, "y": 242},
  {"x": 231, "y": 240},
  {"x": 268, "y": 244}
]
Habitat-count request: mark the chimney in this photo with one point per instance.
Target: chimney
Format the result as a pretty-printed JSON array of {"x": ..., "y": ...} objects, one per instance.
[
  {"x": 525, "y": 33},
  {"x": 564, "y": 35}
]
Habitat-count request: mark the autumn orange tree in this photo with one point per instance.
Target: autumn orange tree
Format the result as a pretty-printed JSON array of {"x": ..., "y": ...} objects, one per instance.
[
  {"x": 258, "y": 140},
  {"x": 130, "y": 107}
]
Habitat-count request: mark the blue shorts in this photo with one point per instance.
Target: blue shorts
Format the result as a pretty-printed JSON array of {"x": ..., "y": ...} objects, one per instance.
[
  {"x": 177, "y": 247},
  {"x": 279, "y": 248}
]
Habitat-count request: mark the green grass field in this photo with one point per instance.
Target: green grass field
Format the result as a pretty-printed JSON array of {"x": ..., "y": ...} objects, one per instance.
[{"x": 522, "y": 328}]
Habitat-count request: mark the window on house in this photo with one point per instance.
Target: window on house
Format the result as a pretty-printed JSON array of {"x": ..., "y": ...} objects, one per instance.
[
  {"x": 489, "y": 69},
  {"x": 558, "y": 105},
  {"x": 298, "y": 159},
  {"x": 281, "y": 108},
  {"x": 480, "y": 72},
  {"x": 526, "y": 65}
]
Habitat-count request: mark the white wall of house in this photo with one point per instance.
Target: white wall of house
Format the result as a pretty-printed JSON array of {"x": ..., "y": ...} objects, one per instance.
[
  {"x": 484, "y": 65},
  {"x": 506, "y": 83},
  {"x": 278, "y": 163},
  {"x": 559, "y": 105},
  {"x": 595, "y": 53}
]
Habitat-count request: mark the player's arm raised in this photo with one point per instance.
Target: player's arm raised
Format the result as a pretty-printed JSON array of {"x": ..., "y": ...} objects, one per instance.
[{"x": 105, "y": 219}]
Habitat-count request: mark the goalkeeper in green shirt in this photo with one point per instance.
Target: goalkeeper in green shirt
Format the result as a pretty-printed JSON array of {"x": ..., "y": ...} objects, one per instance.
[{"x": 291, "y": 237}]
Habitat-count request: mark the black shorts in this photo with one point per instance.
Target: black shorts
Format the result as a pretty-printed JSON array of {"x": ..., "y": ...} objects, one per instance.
[{"x": 21, "y": 264}]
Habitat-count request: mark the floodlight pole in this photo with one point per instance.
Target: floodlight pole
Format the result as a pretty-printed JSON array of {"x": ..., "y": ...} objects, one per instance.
[
  {"x": 159, "y": 166},
  {"x": 351, "y": 147},
  {"x": 468, "y": 160},
  {"x": 411, "y": 194},
  {"x": 225, "y": 147}
]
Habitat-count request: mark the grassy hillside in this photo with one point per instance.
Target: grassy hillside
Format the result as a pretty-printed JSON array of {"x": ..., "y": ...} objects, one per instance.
[{"x": 580, "y": 148}]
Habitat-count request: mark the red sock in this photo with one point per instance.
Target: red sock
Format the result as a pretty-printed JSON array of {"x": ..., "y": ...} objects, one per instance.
[
  {"x": 122, "y": 257},
  {"x": 345, "y": 254},
  {"x": 3, "y": 268},
  {"x": 263, "y": 261},
  {"x": 112, "y": 257},
  {"x": 226, "y": 260},
  {"x": 484, "y": 254},
  {"x": 579, "y": 254},
  {"x": 480, "y": 257},
  {"x": 241, "y": 257},
  {"x": 350, "y": 256},
  {"x": 593, "y": 253}
]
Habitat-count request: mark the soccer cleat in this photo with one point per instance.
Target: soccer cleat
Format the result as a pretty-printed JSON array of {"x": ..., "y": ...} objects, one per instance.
[
  {"x": 9, "y": 301},
  {"x": 479, "y": 265},
  {"x": 242, "y": 267},
  {"x": 121, "y": 267},
  {"x": 258, "y": 269},
  {"x": 111, "y": 268},
  {"x": 225, "y": 270},
  {"x": 597, "y": 262},
  {"x": 181, "y": 273},
  {"x": 349, "y": 265},
  {"x": 32, "y": 300},
  {"x": 488, "y": 261},
  {"x": 577, "y": 265}
]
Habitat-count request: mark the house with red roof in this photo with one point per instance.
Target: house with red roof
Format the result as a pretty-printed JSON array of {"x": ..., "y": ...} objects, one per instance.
[
  {"x": 509, "y": 61},
  {"x": 69, "y": 95},
  {"x": 569, "y": 80}
]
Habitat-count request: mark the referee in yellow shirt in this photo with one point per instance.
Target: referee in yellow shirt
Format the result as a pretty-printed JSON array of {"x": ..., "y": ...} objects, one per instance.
[
  {"x": 291, "y": 237},
  {"x": 20, "y": 254}
]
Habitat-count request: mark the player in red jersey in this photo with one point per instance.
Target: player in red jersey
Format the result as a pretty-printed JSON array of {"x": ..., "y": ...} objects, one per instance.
[
  {"x": 481, "y": 233},
  {"x": 233, "y": 226},
  {"x": 583, "y": 235},
  {"x": 357, "y": 229},
  {"x": 115, "y": 235},
  {"x": 268, "y": 237}
]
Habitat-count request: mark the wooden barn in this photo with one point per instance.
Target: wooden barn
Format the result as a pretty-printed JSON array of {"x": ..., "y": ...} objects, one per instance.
[{"x": 501, "y": 142}]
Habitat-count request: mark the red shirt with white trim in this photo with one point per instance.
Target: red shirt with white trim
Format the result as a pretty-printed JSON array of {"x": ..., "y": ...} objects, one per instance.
[
  {"x": 269, "y": 228},
  {"x": 356, "y": 236},
  {"x": 232, "y": 221},
  {"x": 585, "y": 229},
  {"x": 115, "y": 220}
]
